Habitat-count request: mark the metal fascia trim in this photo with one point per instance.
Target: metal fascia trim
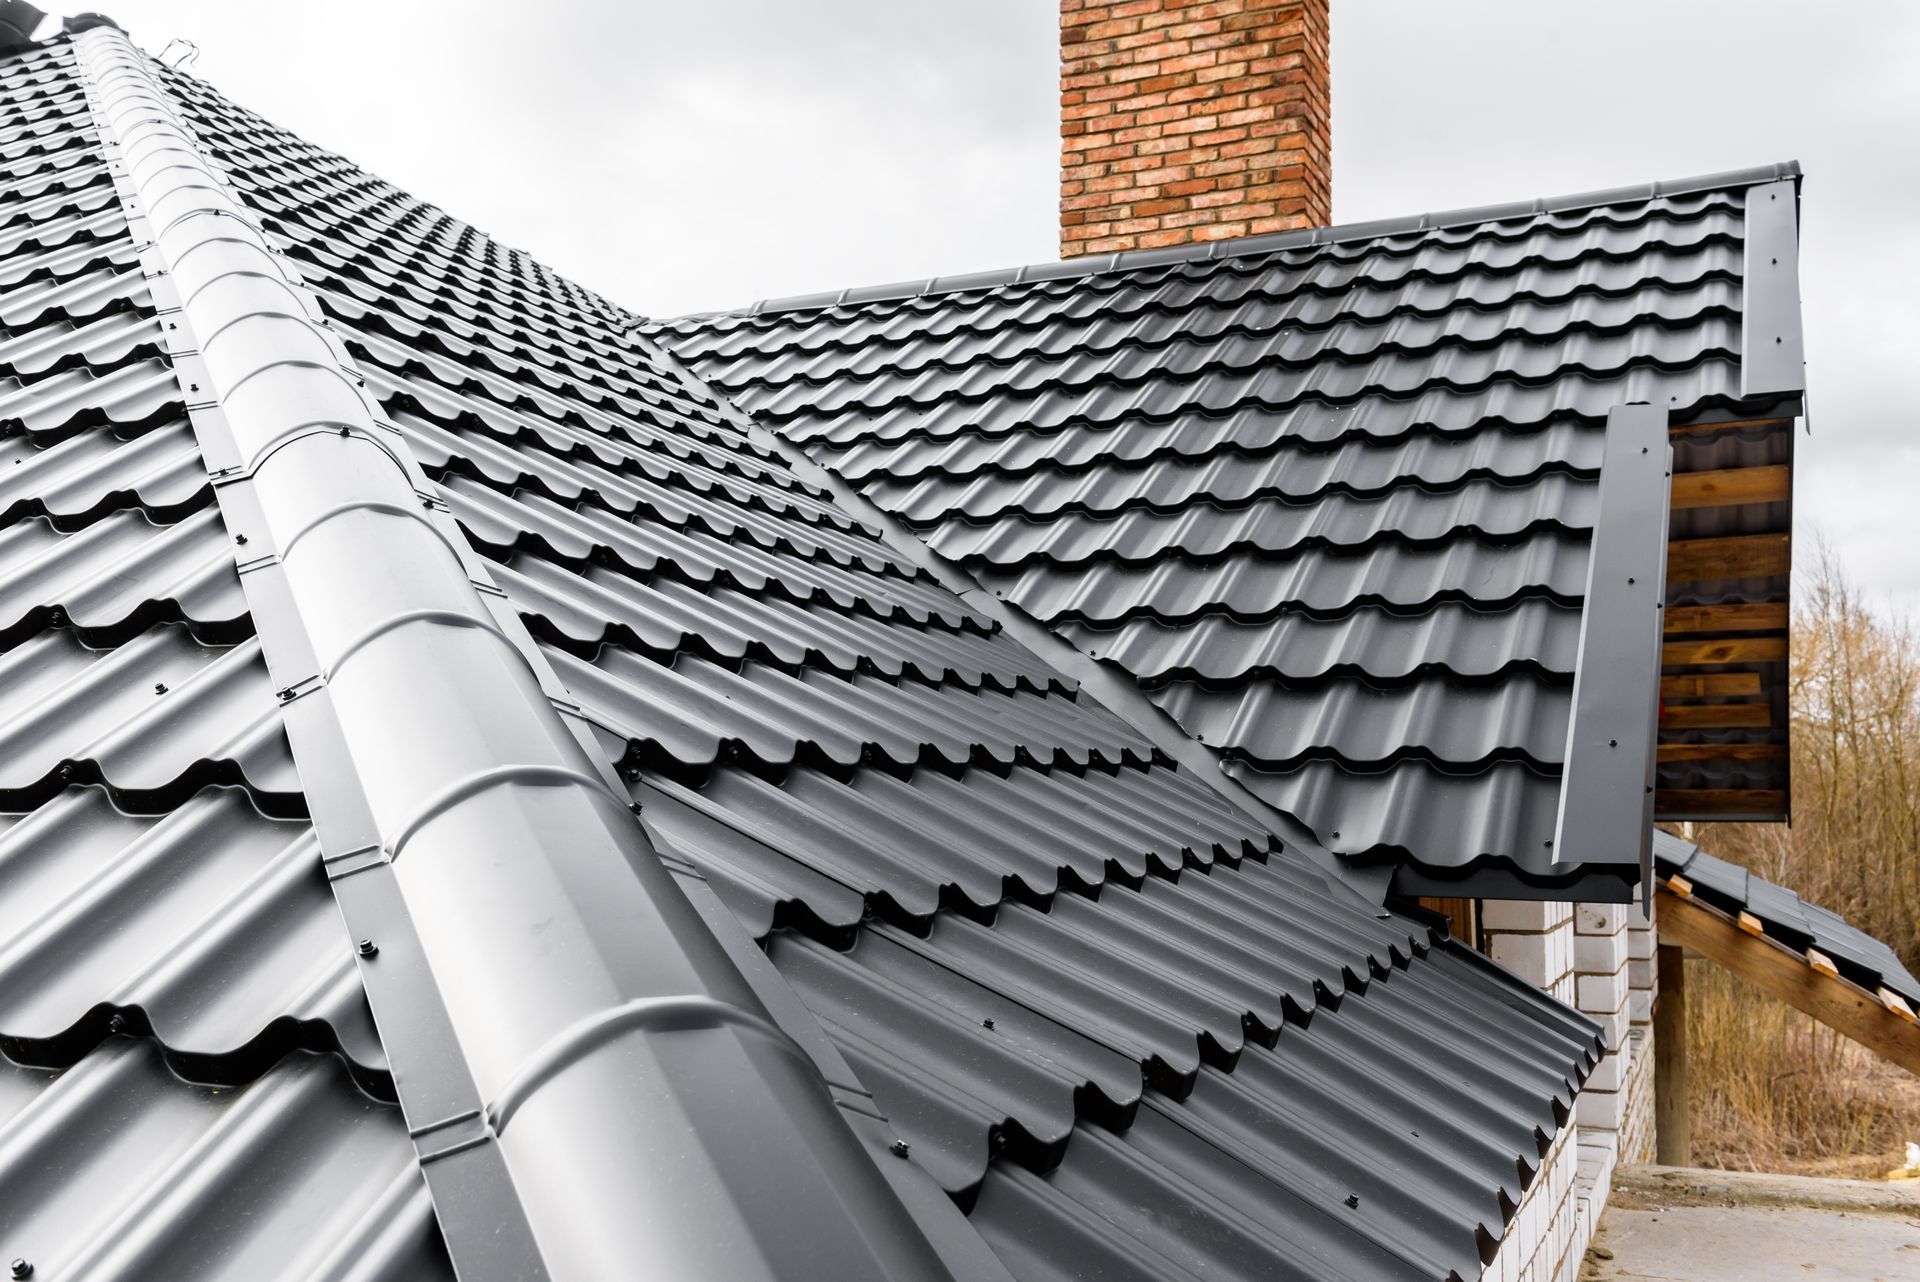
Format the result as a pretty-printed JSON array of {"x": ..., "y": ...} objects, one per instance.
[
  {"x": 1773, "y": 357},
  {"x": 1115, "y": 691},
  {"x": 1607, "y": 777},
  {"x": 533, "y": 910}
]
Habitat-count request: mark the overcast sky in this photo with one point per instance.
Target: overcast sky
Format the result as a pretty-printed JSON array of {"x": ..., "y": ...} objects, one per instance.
[{"x": 683, "y": 157}]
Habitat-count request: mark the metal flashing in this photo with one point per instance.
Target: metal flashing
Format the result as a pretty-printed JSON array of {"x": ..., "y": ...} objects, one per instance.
[
  {"x": 1607, "y": 779},
  {"x": 530, "y": 893},
  {"x": 1773, "y": 358},
  {"x": 1113, "y": 689},
  {"x": 1270, "y": 242}
]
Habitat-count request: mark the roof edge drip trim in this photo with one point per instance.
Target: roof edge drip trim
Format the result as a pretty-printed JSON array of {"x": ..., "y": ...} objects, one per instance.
[
  {"x": 1267, "y": 243},
  {"x": 1773, "y": 356},
  {"x": 1112, "y": 687},
  {"x": 1606, "y": 791},
  {"x": 521, "y": 912}
]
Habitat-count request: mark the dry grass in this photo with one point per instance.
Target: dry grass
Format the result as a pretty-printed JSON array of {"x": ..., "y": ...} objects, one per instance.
[{"x": 1773, "y": 1090}]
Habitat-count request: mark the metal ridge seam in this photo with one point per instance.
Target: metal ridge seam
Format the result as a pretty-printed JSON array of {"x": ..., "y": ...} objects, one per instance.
[
  {"x": 1267, "y": 243},
  {"x": 1115, "y": 690},
  {"x": 527, "y": 904}
]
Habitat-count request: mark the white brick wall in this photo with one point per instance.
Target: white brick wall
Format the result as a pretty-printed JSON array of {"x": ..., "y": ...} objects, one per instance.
[{"x": 1599, "y": 958}]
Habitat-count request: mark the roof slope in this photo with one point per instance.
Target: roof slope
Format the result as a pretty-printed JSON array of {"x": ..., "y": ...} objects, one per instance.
[
  {"x": 1329, "y": 497},
  {"x": 985, "y": 888},
  {"x": 1787, "y": 918}
]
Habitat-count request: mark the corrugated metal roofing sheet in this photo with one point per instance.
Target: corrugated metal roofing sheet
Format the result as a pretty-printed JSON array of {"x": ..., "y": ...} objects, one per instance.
[
  {"x": 868, "y": 769},
  {"x": 1330, "y": 503},
  {"x": 988, "y": 889}
]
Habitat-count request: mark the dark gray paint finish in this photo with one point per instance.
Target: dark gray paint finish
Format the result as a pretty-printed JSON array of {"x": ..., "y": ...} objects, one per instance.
[
  {"x": 1771, "y": 341},
  {"x": 1616, "y": 684},
  {"x": 1731, "y": 888},
  {"x": 1268, "y": 480}
]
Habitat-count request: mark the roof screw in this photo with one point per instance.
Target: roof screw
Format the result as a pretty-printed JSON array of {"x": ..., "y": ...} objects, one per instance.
[
  {"x": 159, "y": 687},
  {"x": 1549, "y": 843},
  {"x": 193, "y": 387},
  {"x": 22, "y": 1267},
  {"x": 286, "y": 695},
  {"x": 367, "y": 948},
  {"x": 171, "y": 325},
  {"x": 117, "y": 1024},
  {"x": 1353, "y": 1201},
  {"x": 899, "y": 1148},
  {"x": 241, "y": 539},
  {"x": 635, "y": 807},
  {"x": 1643, "y": 449},
  {"x": 345, "y": 430},
  {"x": 987, "y": 1023},
  {"x": 1613, "y": 743},
  {"x": 1629, "y": 580},
  {"x": 1776, "y": 338}
]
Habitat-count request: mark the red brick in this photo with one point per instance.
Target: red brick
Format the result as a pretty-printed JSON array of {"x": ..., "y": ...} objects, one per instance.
[{"x": 1191, "y": 120}]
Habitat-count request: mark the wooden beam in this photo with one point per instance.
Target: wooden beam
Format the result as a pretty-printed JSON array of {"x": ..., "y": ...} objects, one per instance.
[
  {"x": 1711, "y": 685},
  {"x": 1725, "y": 650},
  {"x": 1720, "y": 801},
  {"x": 1897, "y": 1004},
  {"x": 1751, "y": 924},
  {"x": 1672, "y": 1127},
  {"x": 1740, "y": 556},
  {"x": 1822, "y": 963},
  {"x": 1757, "y": 616},
  {"x": 1716, "y": 716},
  {"x": 1722, "y": 751},
  {"x": 1732, "y": 486},
  {"x": 1785, "y": 974},
  {"x": 1678, "y": 885}
]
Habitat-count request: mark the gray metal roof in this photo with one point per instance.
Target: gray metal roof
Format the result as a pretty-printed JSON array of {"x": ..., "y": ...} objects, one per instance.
[
  {"x": 1733, "y": 889},
  {"x": 1330, "y": 498},
  {"x": 1075, "y": 981}
]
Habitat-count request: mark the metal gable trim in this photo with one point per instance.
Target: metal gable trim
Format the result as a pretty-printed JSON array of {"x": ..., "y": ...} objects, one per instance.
[
  {"x": 1606, "y": 785},
  {"x": 530, "y": 913},
  {"x": 1773, "y": 357},
  {"x": 1270, "y": 242}
]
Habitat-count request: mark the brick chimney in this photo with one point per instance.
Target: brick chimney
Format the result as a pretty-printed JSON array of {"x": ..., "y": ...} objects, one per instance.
[{"x": 1190, "y": 120}]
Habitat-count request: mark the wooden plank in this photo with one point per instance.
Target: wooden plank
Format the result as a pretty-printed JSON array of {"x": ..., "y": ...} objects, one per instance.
[
  {"x": 1725, "y": 650},
  {"x": 1786, "y": 975},
  {"x": 1731, "y": 487},
  {"x": 1711, "y": 685},
  {"x": 1679, "y": 885},
  {"x": 1897, "y": 1004},
  {"x": 1722, "y": 751},
  {"x": 1719, "y": 801},
  {"x": 1695, "y": 429},
  {"x": 1740, "y": 556},
  {"x": 1822, "y": 963},
  {"x": 1672, "y": 1128},
  {"x": 1751, "y": 924},
  {"x": 1716, "y": 716},
  {"x": 1757, "y": 616}
]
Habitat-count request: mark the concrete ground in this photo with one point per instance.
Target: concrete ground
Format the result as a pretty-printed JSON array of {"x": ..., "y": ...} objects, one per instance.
[{"x": 1673, "y": 1224}]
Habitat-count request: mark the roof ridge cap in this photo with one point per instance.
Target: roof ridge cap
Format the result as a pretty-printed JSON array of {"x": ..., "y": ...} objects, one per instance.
[
  {"x": 1248, "y": 246},
  {"x": 531, "y": 924}
]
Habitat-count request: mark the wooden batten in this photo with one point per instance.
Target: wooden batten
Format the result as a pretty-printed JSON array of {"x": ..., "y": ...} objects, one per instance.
[
  {"x": 1732, "y": 487},
  {"x": 1724, "y": 650},
  {"x": 1871, "y": 1019},
  {"x": 1711, "y": 685},
  {"x": 1740, "y": 556},
  {"x": 1759, "y": 616},
  {"x": 1722, "y": 752},
  {"x": 1706, "y": 802},
  {"x": 1716, "y": 716}
]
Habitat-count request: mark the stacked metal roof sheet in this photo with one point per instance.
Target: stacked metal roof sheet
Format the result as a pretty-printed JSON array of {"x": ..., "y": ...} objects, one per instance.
[
  {"x": 1328, "y": 497},
  {"x": 1081, "y": 986},
  {"x": 986, "y": 887},
  {"x": 207, "y": 1094}
]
